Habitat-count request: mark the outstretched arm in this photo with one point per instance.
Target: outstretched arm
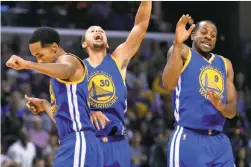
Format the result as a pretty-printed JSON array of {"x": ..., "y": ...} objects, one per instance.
[
  {"x": 64, "y": 68},
  {"x": 128, "y": 49},
  {"x": 177, "y": 54}
]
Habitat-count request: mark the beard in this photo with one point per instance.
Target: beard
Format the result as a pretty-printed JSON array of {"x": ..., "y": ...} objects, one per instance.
[
  {"x": 203, "y": 50},
  {"x": 99, "y": 45}
]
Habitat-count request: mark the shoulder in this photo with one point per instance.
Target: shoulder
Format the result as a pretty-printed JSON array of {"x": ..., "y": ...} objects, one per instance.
[
  {"x": 228, "y": 64},
  {"x": 67, "y": 58},
  {"x": 185, "y": 50}
]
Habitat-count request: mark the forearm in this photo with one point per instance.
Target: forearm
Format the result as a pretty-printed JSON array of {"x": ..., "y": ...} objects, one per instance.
[
  {"x": 48, "y": 109},
  {"x": 173, "y": 68},
  {"x": 229, "y": 110},
  {"x": 61, "y": 71},
  {"x": 144, "y": 14}
]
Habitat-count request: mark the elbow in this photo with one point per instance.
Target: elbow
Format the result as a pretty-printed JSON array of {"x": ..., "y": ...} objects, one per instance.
[
  {"x": 144, "y": 26},
  {"x": 231, "y": 115},
  {"x": 168, "y": 86}
]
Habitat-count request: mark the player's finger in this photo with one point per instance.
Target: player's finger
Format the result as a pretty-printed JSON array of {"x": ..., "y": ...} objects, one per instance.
[
  {"x": 28, "y": 105},
  {"x": 183, "y": 19},
  {"x": 106, "y": 118},
  {"x": 92, "y": 119},
  {"x": 95, "y": 121},
  {"x": 101, "y": 121},
  {"x": 8, "y": 63},
  {"x": 31, "y": 108},
  {"x": 27, "y": 98},
  {"x": 186, "y": 18},
  {"x": 191, "y": 28}
]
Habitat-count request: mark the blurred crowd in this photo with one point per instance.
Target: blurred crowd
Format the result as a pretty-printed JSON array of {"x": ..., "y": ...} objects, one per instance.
[
  {"x": 75, "y": 14},
  {"x": 32, "y": 140}
]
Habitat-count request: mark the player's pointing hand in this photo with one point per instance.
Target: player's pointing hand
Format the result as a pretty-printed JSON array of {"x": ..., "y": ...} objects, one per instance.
[{"x": 35, "y": 105}]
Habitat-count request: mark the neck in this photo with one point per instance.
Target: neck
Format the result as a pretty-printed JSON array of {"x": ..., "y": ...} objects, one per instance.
[
  {"x": 206, "y": 55},
  {"x": 59, "y": 53},
  {"x": 96, "y": 57}
]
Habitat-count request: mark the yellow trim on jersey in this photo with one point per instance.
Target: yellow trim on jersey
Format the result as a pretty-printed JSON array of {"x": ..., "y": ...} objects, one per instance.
[
  {"x": 211, "y": 58},
  {"x": 187, "y": 61},
  {"x": 118, "y": 65},
  {"x": 225, "y": 62},
  {"x": 75, "y": 82}
]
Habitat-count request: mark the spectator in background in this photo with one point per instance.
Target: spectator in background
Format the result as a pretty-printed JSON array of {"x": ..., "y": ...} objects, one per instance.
[
  {"x": 37, "y": 135},
  {"x": 12, "y": 116},
  {"x": 241, "y": 160},
  {"x": 22, "y": 151},
  {"x": 157, "y": 61},
  {"x": 137, "y": 151},
  {"x": 136, "y": 72},
  {"x": 39, "y": 162}
]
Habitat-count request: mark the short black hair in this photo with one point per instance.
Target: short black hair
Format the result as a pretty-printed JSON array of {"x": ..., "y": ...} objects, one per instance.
[
  {"x": 197, "y": 26},
  {"x": 45, "y": 35}
]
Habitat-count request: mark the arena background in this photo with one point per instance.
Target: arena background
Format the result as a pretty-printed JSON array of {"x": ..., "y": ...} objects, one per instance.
[{"x": 149, "y": 117}]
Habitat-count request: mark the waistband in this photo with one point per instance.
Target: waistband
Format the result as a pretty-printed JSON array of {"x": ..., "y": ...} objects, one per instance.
[
  {"x": 209, "y": 132},
  {"x": 73, "y": 135},
  {"x": 106, "y": 139}
]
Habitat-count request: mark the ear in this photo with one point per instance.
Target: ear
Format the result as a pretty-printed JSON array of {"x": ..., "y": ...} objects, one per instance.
[
  {"x": 192, "y": 36},
  {"x": 84, "y": 45},
  {"x": 55, "y": 47},
  {"x": 107, "y": 46}
]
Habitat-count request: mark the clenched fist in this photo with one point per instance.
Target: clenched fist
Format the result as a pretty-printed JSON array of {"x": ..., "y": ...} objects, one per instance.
[{"x": 17, "y": 63}]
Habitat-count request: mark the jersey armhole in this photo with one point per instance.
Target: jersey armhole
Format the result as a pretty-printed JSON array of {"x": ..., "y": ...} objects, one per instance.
[
  {"x": 118, "y": 66},
  {"x": 225, "y": 62},
  {"x": 187, "y": 61}
]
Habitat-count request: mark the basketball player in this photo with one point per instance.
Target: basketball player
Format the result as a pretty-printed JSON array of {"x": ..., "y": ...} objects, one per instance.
[
  {"x": 107, "y": 88},
  {"x": 204, "y": 96},
  {"x": 69, "y": 96}
]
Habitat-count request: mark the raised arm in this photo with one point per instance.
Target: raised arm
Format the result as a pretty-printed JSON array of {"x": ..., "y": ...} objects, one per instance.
[
  {"x": 177, "y": 54},
  {"x": 128, "y": 49},
  {"x": 64, "y": 68}
]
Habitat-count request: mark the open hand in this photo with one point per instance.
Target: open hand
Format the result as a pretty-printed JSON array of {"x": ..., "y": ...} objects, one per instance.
[
  {"x": 181, "y": 34},
  {"x": 98, "y": 117},
  {"x": 215, "y": 100}
]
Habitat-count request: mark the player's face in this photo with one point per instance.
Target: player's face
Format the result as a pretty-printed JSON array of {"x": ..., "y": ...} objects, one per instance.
[
  {"x": 205, "y": 37},
  {"x": 95, "y": 37},
  {"x": 45, "y": 54}
]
